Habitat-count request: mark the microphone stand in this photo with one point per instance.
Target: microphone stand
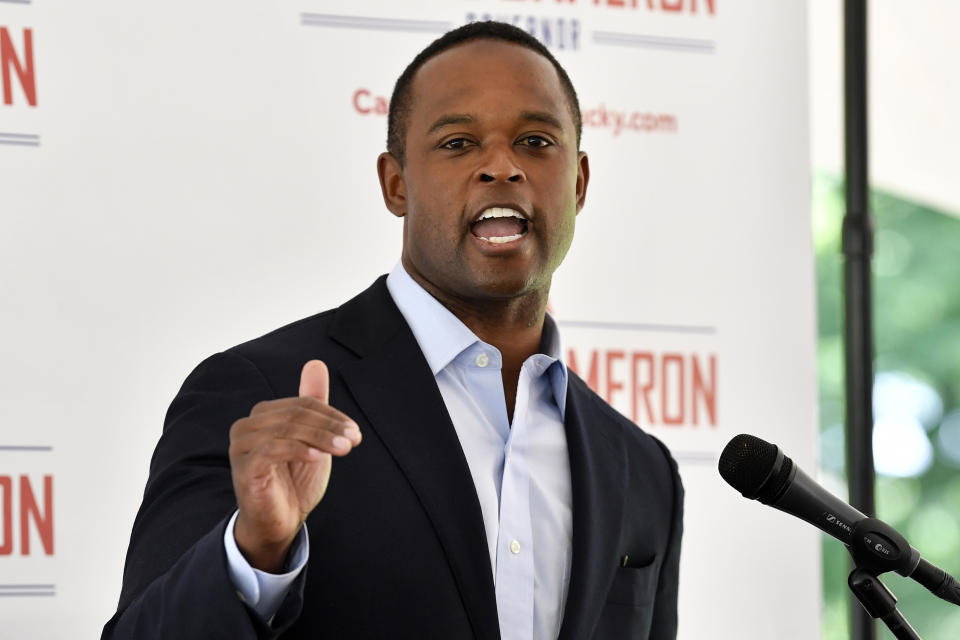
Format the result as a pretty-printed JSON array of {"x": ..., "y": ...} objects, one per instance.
[
  {"x": 880, "y": 603},
  {"x": 876, "y": 548}
]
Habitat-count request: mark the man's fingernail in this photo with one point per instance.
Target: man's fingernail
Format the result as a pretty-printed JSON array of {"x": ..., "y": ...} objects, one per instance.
[
  {"x": 352, "y": 432},
  {"x": 339, "y": 442}
]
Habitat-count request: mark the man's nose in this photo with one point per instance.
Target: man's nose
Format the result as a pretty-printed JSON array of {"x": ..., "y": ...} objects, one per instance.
[{"x": 499, "y": 164}]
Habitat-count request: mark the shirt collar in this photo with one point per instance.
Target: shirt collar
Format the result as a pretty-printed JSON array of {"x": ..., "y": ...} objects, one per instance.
[
  {"x": 551, "y": 346},
  {"x": 442, "y": 336}
]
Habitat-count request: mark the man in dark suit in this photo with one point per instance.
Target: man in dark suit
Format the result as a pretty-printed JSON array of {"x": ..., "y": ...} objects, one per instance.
[{"x": 494, "y": 495}]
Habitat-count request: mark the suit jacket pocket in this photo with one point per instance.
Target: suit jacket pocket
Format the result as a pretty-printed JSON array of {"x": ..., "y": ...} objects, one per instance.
[{"x": 635, "y": 586}]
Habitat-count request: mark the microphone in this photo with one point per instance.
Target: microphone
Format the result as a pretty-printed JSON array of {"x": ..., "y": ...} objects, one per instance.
[{"x": 760, "y": 471}]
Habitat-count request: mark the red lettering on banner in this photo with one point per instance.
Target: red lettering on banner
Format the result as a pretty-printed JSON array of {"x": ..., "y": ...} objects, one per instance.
[
  {"x": 6, "y": 494},
  {"x": 364, "y": 102},
  {"x": 671, "y": 383},
  {"x": 612, "y": 385},
  {"x": 652, "y": 5},
  {"x": 618, "y": 121},
  {"x": 29, "y": 511},
  {"x": 593, "y": 377},
  {"x": 708, "y": 395},
  {"x": 9, "y": 60},
  {"x": 669, "y": 389},
  {"x": 641, "y": 390}
]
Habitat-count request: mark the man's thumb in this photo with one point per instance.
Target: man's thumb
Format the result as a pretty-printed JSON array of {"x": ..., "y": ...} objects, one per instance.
[{"x": 315, "y": 380}]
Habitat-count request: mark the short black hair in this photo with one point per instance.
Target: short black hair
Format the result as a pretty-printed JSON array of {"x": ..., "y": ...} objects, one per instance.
[{"x": 398, "y": 115}]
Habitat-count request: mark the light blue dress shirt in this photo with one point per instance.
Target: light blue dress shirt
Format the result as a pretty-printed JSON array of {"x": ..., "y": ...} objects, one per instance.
[{"x": 520, "y": 470}]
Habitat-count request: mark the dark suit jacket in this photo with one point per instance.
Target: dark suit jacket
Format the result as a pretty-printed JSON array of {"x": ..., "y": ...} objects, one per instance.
[{"x": 397, "y": 546}]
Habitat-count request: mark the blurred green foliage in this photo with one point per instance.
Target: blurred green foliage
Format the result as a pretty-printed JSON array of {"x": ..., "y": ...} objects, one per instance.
[{"x": 917, "y": 336}]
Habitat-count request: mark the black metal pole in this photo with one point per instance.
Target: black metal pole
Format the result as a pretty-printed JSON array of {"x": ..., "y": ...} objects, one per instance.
[
  {"x": 858, "y": 251},
  {"x": 880, "y": 604}
]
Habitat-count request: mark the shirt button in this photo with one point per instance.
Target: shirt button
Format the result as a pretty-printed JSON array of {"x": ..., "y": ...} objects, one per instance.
[
  {"x": 483, "y": 360},
  {"x": 514, "y": 547}
]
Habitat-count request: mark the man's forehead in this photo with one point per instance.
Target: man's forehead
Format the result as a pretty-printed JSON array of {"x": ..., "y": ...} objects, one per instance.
[{"x": 482, "y": 68}]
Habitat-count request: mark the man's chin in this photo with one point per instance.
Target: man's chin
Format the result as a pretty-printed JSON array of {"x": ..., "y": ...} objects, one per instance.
[{"x": 506, "y": 286}]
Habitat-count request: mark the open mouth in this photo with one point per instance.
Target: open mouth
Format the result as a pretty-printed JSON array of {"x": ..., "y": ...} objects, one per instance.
[{"x": 499, "y": 225}]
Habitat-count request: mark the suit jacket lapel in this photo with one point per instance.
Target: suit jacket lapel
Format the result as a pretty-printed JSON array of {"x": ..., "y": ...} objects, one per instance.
[
  {"x": 598, "y": 477},
  {"x": 394, "y": 387}
]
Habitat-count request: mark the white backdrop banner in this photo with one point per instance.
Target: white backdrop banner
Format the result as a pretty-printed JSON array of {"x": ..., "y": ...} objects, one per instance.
[{"x": 179, "y": 177}]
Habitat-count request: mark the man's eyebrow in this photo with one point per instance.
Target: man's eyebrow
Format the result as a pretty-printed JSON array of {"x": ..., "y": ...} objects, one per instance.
[
  {"x": 541, "y": 116},
  {"x": 453, "y": 118},
  {"x": 466, "y": 118}
]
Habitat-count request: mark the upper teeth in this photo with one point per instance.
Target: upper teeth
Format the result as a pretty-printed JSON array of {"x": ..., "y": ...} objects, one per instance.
[{"x": 500, "y": 212}]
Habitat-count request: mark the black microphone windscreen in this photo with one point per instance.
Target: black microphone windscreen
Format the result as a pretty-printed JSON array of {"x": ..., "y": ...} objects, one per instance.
[{"x": 746, "y": 462}]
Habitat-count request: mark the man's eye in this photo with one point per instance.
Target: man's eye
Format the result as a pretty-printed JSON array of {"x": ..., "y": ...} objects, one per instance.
[
  {"x": 537, "y": 142},
  {"x": 456, "y": 144}
]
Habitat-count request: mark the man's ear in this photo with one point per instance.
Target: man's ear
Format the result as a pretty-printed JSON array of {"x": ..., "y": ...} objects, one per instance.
[
  {"x": 392, "y": 184},
  {"x": 583, "y": 177}
]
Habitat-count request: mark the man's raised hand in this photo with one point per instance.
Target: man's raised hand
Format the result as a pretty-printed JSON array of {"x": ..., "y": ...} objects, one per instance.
[{"x": 280, "y": 458}]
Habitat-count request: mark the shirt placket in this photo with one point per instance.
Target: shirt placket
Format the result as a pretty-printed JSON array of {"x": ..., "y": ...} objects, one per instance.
[{"x": 515, "y": 575}]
